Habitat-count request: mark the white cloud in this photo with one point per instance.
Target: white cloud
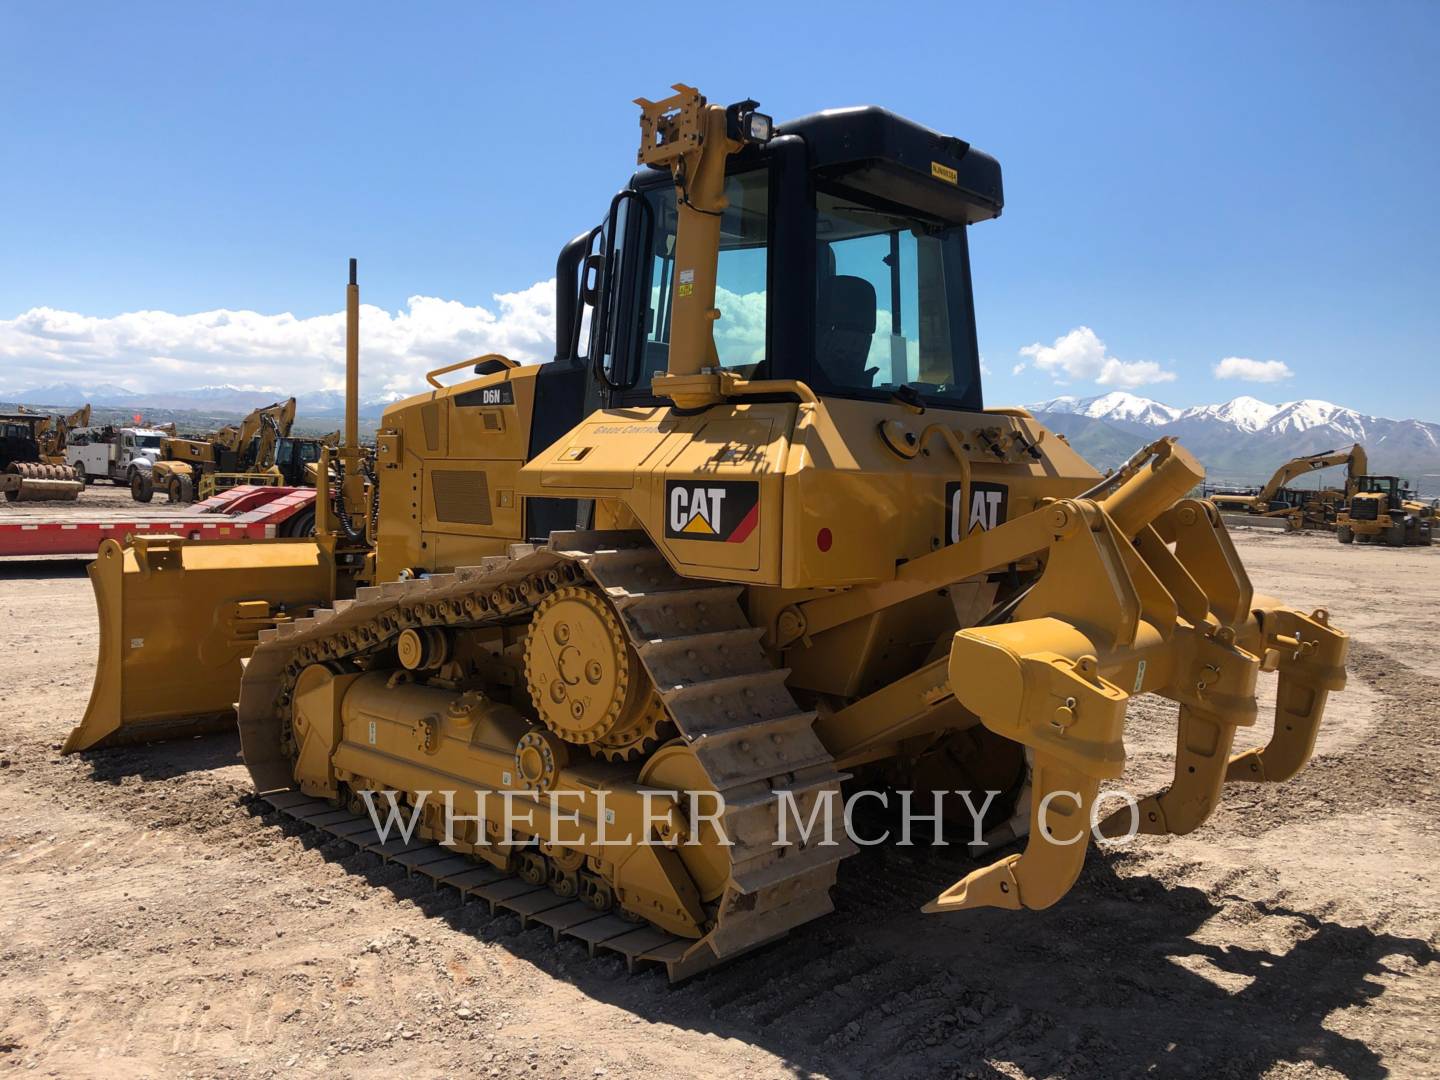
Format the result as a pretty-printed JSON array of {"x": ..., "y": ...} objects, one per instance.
[
  {"x": 740, "y": 331},
  {"x": 1018, "y": 368},
  {"x": 1241, "y": 367},
  {"x": 1130, "y": 374},
  {"x": 1081, "y": 356},
  {"x": 155, "y": 350}
]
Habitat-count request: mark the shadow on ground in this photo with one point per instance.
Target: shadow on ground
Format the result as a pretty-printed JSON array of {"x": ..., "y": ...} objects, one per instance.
[
  {"x": 1129, "y": 975},
  {"x": 28, "y": 568},
  {"x": 1108, "y": 983},
  {"x": 164, "y": 761}
]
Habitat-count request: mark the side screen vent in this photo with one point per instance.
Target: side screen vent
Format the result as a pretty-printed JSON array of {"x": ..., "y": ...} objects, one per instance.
[{"x": 462, "y": 496}]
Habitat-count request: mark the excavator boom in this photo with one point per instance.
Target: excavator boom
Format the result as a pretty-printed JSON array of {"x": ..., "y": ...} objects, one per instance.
[{"x": 1354, "y": 459}]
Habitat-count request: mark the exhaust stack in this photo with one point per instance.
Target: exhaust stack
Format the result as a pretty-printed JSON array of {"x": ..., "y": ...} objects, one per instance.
[{"x": 352, "y": 359}]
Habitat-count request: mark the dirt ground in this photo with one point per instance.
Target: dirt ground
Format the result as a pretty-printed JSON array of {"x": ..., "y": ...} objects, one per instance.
[
  {"x": 155, "y": 922},
  {"x": 101, "y": 500}
]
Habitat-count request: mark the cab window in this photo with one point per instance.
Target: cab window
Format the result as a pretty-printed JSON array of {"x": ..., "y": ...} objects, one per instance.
[
  {"x": 890, "y": 300},
  {"x": 742, "y": 272}
]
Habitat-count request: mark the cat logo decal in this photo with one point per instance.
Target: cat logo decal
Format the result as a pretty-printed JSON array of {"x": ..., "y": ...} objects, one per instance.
[
  {"x": 984, "y": 509},
  {"x": 721, "y": 510}
]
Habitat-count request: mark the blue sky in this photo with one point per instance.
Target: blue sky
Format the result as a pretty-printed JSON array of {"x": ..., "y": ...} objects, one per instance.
[{"x": 1192, "y": 182}]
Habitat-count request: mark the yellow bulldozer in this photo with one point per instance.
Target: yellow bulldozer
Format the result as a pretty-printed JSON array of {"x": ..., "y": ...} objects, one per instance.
[
  {"x": 1299, "y": 508},
  {"x": 617, "y": 628},
  {"x": 243, "y": 453}
]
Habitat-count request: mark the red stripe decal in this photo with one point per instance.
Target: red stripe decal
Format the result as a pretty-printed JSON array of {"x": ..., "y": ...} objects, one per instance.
[{"x": 746, "y": 527}]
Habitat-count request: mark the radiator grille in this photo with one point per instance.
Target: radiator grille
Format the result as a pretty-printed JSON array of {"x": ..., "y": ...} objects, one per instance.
[{"x": 461, "y": 495}]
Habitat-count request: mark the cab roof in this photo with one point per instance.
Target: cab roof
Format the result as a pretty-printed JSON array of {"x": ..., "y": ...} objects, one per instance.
[
  {"x": 869, "y": 137},
  {"x": 872, "y": 146}
]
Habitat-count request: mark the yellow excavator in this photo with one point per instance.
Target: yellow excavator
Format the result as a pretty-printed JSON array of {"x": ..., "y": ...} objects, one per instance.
[
  {"x": 751, "y": 548},
  {"x": 54, "y": 433},
  {"x": 1299, "y": 508},
  {"x": 241, "y": 453}
]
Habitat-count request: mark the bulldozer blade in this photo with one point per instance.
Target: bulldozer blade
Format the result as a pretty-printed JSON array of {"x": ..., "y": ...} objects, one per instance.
[{"x": 177, "y": 619}]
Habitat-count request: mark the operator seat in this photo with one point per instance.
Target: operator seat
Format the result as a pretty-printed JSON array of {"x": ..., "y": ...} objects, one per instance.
[{"x": 847, "y": 327}]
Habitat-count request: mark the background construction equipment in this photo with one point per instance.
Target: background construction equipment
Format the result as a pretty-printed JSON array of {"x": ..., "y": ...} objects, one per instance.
[
  {"x": 1300, "y": 508},
  {"x": 1383, "y": 510},
  {"x": 26, "y": 471},
  {"x": 241, "y": 453}
]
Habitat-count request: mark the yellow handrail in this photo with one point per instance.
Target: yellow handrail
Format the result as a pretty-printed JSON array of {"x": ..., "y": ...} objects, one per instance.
[{"x": 430, "y": 375}]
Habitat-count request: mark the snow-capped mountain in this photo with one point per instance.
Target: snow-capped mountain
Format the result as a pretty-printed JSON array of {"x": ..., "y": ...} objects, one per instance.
[
  {"x": 1245, "y": 439},
  {"x": 1305, "y": 415},
  {"x": 332, "y": 403},
  {"x": 1116, "y": 405},
  {"x": 1246, "y": 413},
  {"x": 1242, "y": 413},
  {"x": 73, "y": 394}
]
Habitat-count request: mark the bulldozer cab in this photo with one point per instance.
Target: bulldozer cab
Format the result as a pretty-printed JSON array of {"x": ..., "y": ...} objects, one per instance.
[{"x": 843, "y": 263}]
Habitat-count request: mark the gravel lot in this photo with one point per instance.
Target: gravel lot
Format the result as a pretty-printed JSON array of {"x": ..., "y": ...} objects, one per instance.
[{"x": 156, "y": 922}]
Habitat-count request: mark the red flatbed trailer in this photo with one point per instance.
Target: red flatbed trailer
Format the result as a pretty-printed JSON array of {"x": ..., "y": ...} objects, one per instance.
[{"x": 246, "y": 511}]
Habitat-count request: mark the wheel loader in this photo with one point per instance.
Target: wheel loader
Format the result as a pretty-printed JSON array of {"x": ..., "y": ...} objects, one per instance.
[
  {"x": 26, "y": 473},
  {"x": 1382, "y": 510},
  {"x": 750, "y": 545}
]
